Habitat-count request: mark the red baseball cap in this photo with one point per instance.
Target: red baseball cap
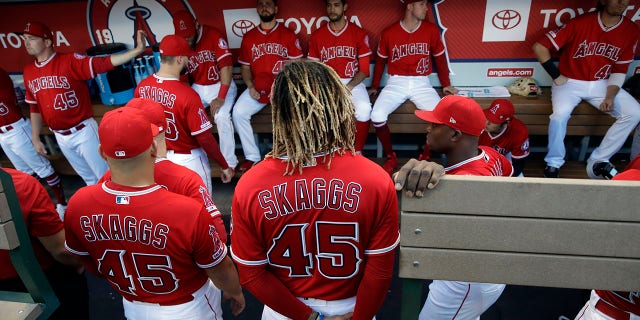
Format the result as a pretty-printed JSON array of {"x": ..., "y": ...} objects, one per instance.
[
  {"x": 125, "y": 133},
  {"x": 37, "y": 29},
  {"x": 184, "y": 24},
  {"x": 458, "y": 112},
  {"x": 500, "y": 111},
  {"x": 152, "y": 110},
  {"x": 410, "y": 1},
  {"x": 173, "y": 45}
]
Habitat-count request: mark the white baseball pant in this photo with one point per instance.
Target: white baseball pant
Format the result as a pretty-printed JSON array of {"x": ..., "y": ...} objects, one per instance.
[
  {"x": 244, "y": 109},
  {"x": 197, "y": 161},
  {"x": 398, "y": 90},
  {"x": 80, "y": 147},
  {"x": 222, "y": 118},
  {"x": 565, "y": 98},
  {"x": 448, "y": 300},
  {"x": 635, "y": 145},
  {"x": 361, "y": 101},
  {"x": 326, "y": 307},
  {"x": 205, "y": 305},
  {"x": 17, "y": 145},
  {"x": 591, "y": 312}
]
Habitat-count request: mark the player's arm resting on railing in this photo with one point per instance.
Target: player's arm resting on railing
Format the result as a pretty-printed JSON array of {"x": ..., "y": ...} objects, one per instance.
[
  {"x": 36, "y": 126},
  {"x": 270, "y": 291},
  {"x": 417, "y": 176},
  {"x": 122, "y": 58},
  {"x": 225, "y": 277}
]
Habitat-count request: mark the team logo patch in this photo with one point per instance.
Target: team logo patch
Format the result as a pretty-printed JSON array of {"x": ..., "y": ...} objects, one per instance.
[
  {"x": 452, "y": 120},
  {"x": 120, "y": 153},
  {"x": 223, "y": 44},
  {"x": 122, "y": 200},
  {"x": 118, "y": 20},
  {"x": 79, "y": 56}
]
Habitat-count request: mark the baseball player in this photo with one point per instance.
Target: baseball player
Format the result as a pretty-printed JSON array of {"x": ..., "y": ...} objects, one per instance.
[
  {"x": 263, "y": 52},
  {"x": 409, "y": 48},
  {"x": 210, "y": 71},
  {"x": 15, "y": 140},
  {"x": 175, "y": 178},
  {"x": 127, "y": 231},
  {"x": 189, "y": 139},
  {"x": 345, "y": 47},
  {"x": 595, "y": 51},
  {"x": 47, "y": 240},
  {"x": 315, "y": 225},
  {"x": 59, "y": 97},
  {"x": 505, "y": 133},
  {"x": 455, "y": 126}
]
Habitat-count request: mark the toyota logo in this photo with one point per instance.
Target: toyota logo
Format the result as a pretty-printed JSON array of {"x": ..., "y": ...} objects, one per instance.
[
  {"x": 241, "y": 27},
  {"x": 506, "y": 19}
]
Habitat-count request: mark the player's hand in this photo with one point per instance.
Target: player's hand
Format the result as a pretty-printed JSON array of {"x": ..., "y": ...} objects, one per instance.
[
  {"x": 227, "y": 174},
  {"x": 254, "y": 93},
  {"x": 417, "y": 176},
  {"x": 340, "y": 317},
  {"x": 237, "y": 302},
  {"x": 450, "y": 90},
  {"x": 373, "y": 92},
  {"x": 215, "y": 105},
  {"x": 560, "y": 80},
  {"x": 39, "y": 146},
  {"x": 141, "y": 40},
  {"x": 606, "y": 105}
]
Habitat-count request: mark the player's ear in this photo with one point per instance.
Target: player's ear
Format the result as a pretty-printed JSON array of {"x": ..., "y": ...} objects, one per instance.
[
  {"x": 154, "y": 149},
  {"x": 456, "y": 135},
  {"x": 101, "y": 152}
]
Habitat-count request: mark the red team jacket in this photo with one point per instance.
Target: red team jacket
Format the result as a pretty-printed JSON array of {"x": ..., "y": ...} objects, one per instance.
[
  {"x": 212, "y": 54},
  {"x": 265, "y": 51},
  {"x": 296, "y": 225},
  {"x": 513, "y": 139},
  {"x": 57, "y": 89},
  {"x": 591, "y": 52},
  {"x": 151, "y": 244},
  {"x": 341, "y": 50}
]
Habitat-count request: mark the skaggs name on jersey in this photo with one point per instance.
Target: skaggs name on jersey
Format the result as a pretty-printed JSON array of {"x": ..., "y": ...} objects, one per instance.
[
  {"x": 315, "y": 194},
  {"x": 127, "y": 228}
]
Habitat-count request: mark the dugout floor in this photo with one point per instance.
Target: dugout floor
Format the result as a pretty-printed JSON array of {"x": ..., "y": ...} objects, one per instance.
[{"x": 516, "y": 303}]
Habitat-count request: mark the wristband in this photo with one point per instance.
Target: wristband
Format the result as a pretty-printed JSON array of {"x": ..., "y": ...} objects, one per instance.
[
  {"x": 222, "y": 94},
  {"x": 551, "y": 69}
]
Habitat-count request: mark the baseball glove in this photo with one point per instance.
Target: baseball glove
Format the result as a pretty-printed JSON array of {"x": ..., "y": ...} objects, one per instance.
[{"x": 525, "y": 87}]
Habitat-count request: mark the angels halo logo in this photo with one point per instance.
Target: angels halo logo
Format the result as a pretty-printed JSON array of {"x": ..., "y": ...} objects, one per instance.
[{"x": 118, "y": 20}]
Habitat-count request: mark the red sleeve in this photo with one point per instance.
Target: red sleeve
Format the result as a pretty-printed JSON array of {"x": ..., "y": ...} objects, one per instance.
[
  {"x": 270, "y": 291},
  {"x": 102, "y": 64},
  {"x": 373, "y": 288},
  {"x": 210, "y": 146},
  {"x": 443, "y": 70},
  {"x": 209, "y": 250},
  {"x": 225, "y": 62},
  {"x": 365, "y": 65},
  {"x": 377, "y": 72},
  {"x": 37, "y": 208},
  {"x": 85, "y": 68}
]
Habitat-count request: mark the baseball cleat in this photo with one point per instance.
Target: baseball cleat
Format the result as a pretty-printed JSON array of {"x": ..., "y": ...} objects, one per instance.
[
  {"x": 601, "y": 169},
  {"x": 551, "y": 172}
]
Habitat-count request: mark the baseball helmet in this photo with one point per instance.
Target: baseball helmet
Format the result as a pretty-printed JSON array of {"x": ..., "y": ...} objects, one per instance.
[{"x": 525, "y": 87}]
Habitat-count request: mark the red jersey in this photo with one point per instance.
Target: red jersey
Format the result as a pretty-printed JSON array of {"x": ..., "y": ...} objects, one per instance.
[
  {"x": 340, "y": 49},
  {"x": 40, "y": 217},
  {"x": 627, "y": 301},
  {"x": 634, "y": 164},
  {"x": 151, "y": 244},
  {"x": 212, "y": 54},
  {"x": 57, "y": 87},
  {"x": 488, "y": 163},
  {"x": 9, "y": 111},
  {"x": 314, "y": 230},
  {"x": 514, "y": 139},
  {"x": 410, "y": 53},
  {"x": 265, "y": 51},
  {"x": 182, "y": 180},
  {"x": 589, "y": 51},
  {"x": 183, "y": 109}
]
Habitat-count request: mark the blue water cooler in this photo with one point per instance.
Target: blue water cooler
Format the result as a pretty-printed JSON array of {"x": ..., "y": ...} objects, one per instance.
[{"x": 116, "y": 86}]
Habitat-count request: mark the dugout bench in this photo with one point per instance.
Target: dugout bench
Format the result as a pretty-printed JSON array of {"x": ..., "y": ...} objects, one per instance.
[
  {"x": 40, "y": 302},
  {"x": 567, "y": 233}
]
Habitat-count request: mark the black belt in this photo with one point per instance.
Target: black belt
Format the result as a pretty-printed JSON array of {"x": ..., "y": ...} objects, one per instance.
[{"x": 6, "y": 129}]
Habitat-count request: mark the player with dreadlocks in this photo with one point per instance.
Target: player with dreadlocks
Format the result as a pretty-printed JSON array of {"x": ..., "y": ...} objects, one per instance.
[{"x": 309, "y": 191}]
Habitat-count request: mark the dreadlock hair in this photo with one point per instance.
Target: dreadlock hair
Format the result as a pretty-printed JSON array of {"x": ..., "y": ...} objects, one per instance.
[
  {"x": 312, "y": 113},
  {"x": 599, "y": 6}
]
